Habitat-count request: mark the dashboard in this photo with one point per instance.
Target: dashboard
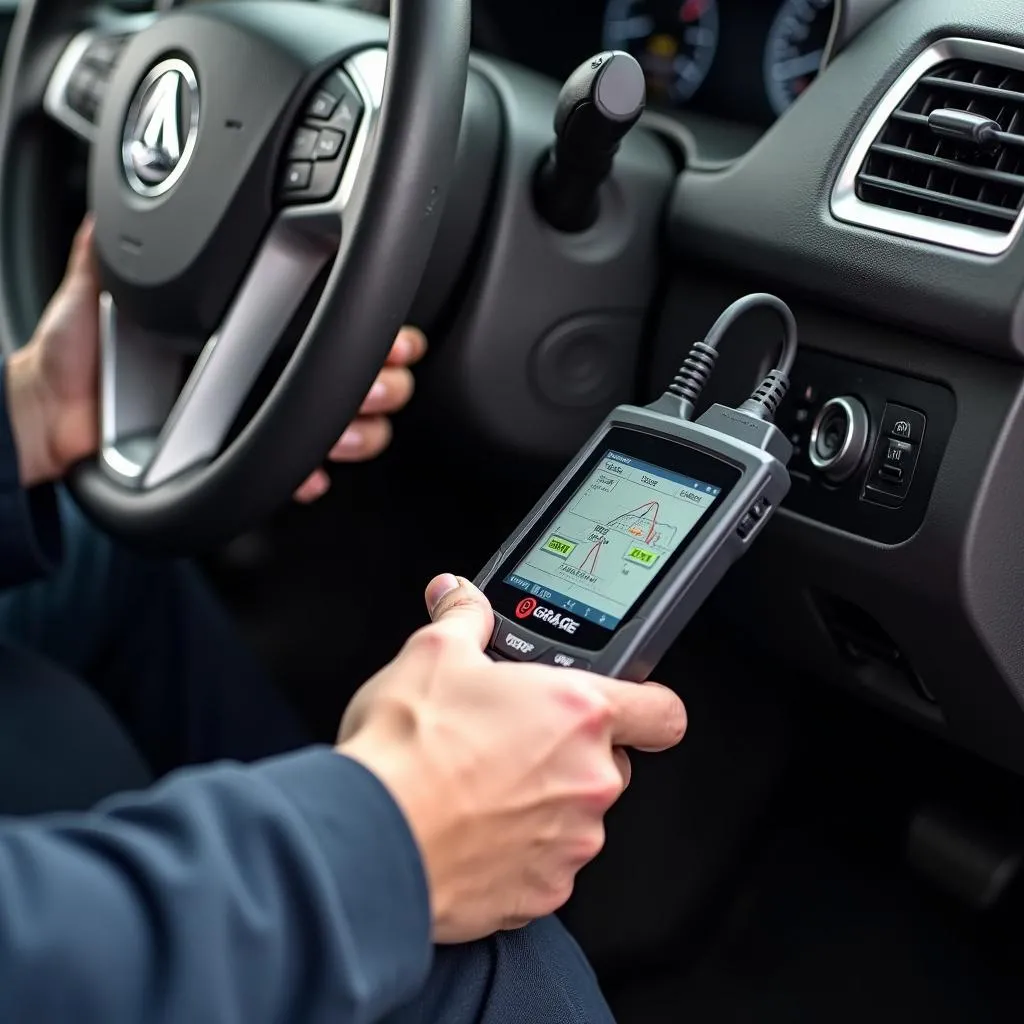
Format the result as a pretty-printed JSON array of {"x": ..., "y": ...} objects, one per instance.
[{"x": 745, "y": 61}]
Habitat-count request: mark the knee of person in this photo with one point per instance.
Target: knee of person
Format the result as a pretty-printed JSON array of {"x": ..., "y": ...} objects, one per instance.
[
  {"x": 84, "y": 543},
  {"x": 545, "y": 961},
  {"x": 93, "y": 559}
]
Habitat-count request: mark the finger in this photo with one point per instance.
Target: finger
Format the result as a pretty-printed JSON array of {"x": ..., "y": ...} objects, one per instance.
[
  {"x": 81, "y": 268},
  {"x": 624, "y": 765},
  {"x": 315, "y": 486},
  {"x": 646, "y": 716},
  {"x": 409, "y": 348},
  {"x": 365, "y": 439},
  {"x": 456, "y": 606},
  {"x": 390, "y": 392}
]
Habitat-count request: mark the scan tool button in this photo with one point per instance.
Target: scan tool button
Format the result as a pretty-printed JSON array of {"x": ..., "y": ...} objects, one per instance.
[
  {"x": 512, "y": 643},
  {"x": 563, "y": 659}
]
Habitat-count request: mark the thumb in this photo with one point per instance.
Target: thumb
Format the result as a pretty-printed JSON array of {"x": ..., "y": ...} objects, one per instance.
[{"x": 457, "y": 607}]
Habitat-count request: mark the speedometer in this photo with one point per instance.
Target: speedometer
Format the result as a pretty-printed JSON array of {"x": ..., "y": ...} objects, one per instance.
[
  {"x": 674, "y": 41},
  {"x": 795, "y": 48}
]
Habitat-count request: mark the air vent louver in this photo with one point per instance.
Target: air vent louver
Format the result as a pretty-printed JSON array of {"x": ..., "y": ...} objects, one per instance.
[
  {"x": 909, "y": 177},
  {"x": 911, "y": 168}
]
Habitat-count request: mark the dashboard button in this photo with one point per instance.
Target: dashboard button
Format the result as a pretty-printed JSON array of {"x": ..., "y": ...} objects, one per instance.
[
  {"x": 903, "y": 424},
  {"x": 517, "y": 644},
  {"x": 892, "y": 472},
  {"x": 898, "y": 455},
  {"x": 562, "y": 659}
]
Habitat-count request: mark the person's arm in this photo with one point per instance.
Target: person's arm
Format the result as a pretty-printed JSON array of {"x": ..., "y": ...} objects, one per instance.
[
  {"x": 30, "y": 539},
  {"x": 291, "y": 890}
]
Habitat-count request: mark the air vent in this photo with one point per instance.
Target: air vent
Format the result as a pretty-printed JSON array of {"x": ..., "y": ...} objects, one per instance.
[{"x": 942, "y": 158}]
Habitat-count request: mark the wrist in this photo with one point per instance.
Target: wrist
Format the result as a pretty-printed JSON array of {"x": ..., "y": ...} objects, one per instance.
[
  {"x": 423, "y": 808},
  {"x": 31, "y": 421}
]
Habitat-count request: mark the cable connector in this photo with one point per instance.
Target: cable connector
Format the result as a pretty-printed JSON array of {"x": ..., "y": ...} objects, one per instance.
[
  {"x": 765, "y": 401},
  {"x": 693, "y": 375},
  {"x": 685, "y": 390}
]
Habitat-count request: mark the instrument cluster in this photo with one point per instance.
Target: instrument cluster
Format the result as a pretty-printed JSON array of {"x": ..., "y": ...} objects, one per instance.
[{"x": 740, "y": 60}]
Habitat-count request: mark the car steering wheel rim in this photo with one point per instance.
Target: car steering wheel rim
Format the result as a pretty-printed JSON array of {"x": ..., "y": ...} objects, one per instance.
[{"x": 175, "y": 470}]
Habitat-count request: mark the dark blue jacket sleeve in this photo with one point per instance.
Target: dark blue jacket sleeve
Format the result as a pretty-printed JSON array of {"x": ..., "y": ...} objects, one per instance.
[
  {"x": 29, "y": 521},
  {"x": 287, "y": 891}
]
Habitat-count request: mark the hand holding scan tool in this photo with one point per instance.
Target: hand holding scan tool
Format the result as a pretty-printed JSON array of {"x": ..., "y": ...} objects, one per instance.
[{"x": 615, "y": 559}]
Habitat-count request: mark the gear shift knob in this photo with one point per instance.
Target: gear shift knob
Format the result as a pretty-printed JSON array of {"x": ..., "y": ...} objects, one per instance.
[{"x": 599, "y": 103}]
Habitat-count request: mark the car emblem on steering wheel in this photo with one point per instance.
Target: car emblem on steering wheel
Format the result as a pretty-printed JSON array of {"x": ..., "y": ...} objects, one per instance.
[{"x": 161, "y": 128}]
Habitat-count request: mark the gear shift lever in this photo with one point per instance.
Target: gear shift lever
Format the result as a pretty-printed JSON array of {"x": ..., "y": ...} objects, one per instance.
[{"x": 599, "y": 103}]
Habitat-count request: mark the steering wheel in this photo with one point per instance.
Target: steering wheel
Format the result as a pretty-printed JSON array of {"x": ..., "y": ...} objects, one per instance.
[{"x": 241, "y": 153}]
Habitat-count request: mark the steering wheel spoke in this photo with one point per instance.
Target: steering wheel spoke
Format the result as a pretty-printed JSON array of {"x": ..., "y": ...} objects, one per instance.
[
  {"x": 155, "y": 428},
  {"x": 78, "y": 84}
]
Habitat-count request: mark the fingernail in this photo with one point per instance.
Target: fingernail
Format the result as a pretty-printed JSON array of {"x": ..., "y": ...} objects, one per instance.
[
  {"x": 349, "y": 441},
  {"x": 402, "y": 348},
  {"x": 378, "y": 391},
  {"x": 439, "y": 588}
]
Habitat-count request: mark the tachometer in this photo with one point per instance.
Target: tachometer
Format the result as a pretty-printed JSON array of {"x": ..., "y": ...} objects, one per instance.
[
  {"x": 674, "y": 41},
  {"x": 795, "y": 47}
]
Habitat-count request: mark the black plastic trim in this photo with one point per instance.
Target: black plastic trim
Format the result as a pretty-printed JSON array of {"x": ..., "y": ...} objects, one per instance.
[{"x": 768, "y": 214}]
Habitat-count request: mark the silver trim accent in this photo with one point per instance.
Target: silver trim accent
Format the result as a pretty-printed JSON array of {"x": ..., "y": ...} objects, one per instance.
[
  {"x": 151, "y": 432},
  {"x": 829, "y": 50},
  {"x": 55, "y": 98},
  {"x": 848, "y": 208},
  {"x": 858, "y": 426},
  {"x": 165, "y": 107}
]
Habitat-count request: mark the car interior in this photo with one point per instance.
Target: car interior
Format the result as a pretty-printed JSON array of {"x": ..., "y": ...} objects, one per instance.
[{"x": 839, "y": 837}]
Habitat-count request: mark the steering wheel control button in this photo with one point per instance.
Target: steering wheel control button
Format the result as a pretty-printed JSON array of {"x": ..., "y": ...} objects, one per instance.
[
  {"x": 562, "y": 659},
  {"x": 515, "y": 644},
  {"x": 328, "y": 144},
  {"x": 839, "y": 437},
  {"x": 86, "y": 86},
  {"x": 102, "y": 53},
  {"x": 297, "y": 176},
  {"x": 303, "y": 144},
  {"x": 903, "y": 424},
  {"x": 81, "y": 92},
  {"x": 322, "y": 105},
  {"x": 325, "y": 138}
]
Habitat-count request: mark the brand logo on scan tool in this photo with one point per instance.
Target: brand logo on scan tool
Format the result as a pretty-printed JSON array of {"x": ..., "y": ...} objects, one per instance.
[
  {"x": 528, "y": 606},
  {"x": 161, "y": 128}
]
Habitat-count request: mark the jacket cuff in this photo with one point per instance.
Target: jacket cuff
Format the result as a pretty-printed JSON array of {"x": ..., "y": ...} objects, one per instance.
[{"x": 376, "y": 864}]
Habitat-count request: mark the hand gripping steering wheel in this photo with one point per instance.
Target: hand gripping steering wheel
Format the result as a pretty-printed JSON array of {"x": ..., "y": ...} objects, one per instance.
[{"x": 242, "y": 152}]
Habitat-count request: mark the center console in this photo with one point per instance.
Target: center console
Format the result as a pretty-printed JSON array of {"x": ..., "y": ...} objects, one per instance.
[
  {"x": 893, "y": 567},
  {"x": 868, "y": 443}
]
